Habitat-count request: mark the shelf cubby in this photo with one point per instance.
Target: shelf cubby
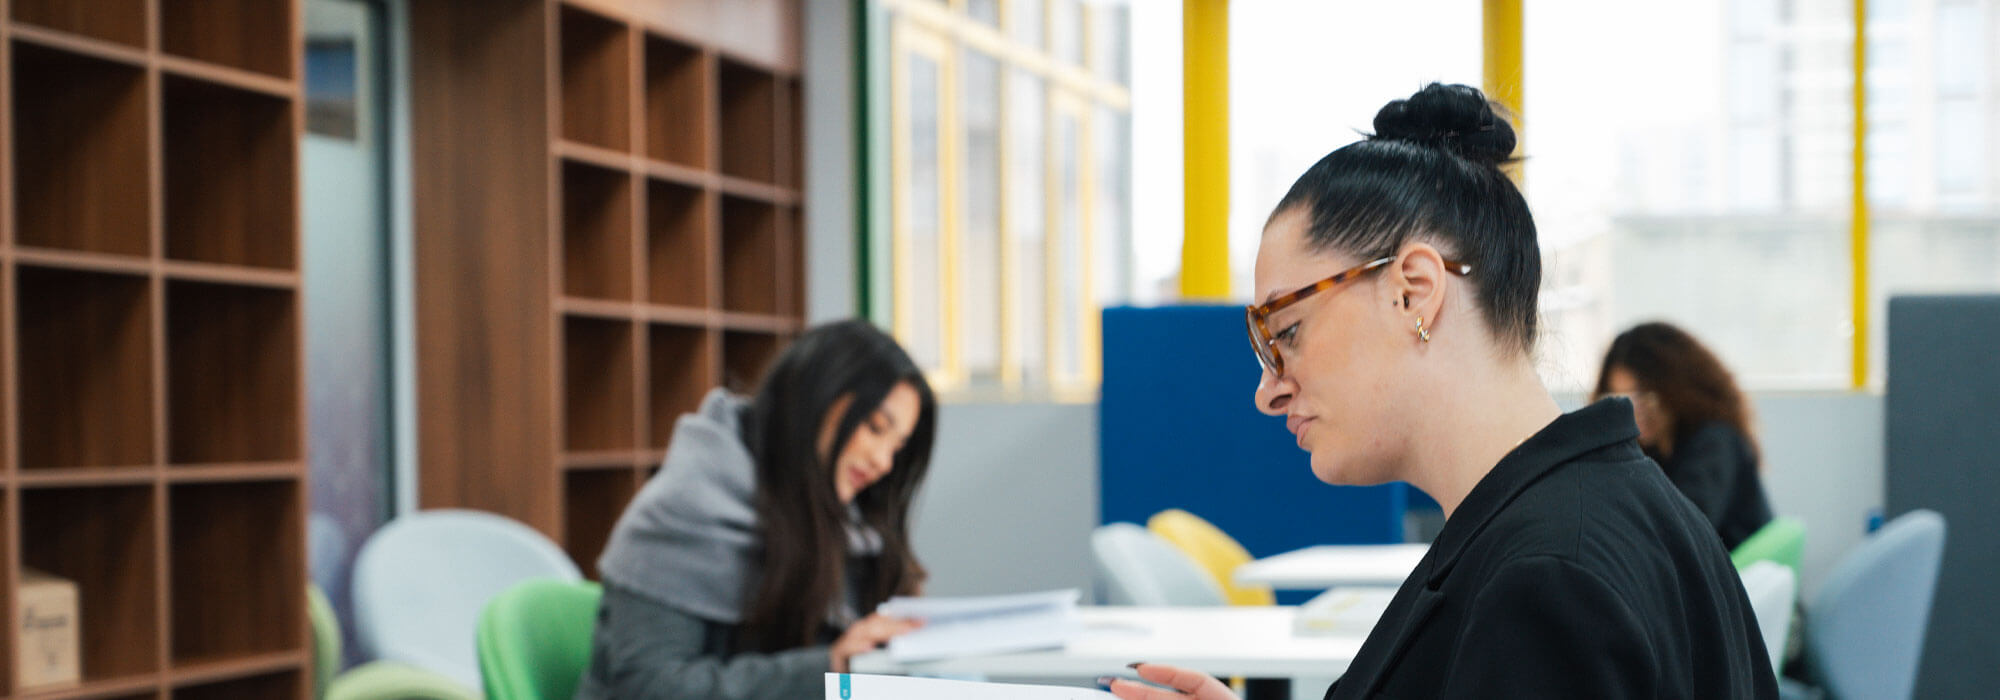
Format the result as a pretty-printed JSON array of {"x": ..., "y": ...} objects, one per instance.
[
  {"x": 749, "y": 107},
  {"x": 749, "y": 256},
  {"x": 676, "y": 244},
  {"x": 232, "y": 374},
  {"x": 745, "y": 356},
  {"x": 252, "y": 35},
  {"x": 794, "y": 223},
  {"x": 231, "y": 174},
  {"x": 237, "y": 570},
  {"x": 103, "y": 539},
  {"x": 85, "y": 368},
  {"x": 597, "y": 232},
  {"x": 80, "y": 152},
  {"x": 790, "y": 136},
  {"x": 677, "y": 90},
  {"x": 596, "y": 80},
  {"x": 598, "y": 374},
  {"x": 122, "y": 21},
  {"x": 275, "y": 686},
  {"x": 680, "y": 370},
  {"x": 593, "y": 499}
]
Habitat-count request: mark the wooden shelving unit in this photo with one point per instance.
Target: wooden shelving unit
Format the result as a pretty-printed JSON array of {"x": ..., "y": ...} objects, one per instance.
[
  {"x": 151, "y": 400},
  {"x": 637, "y": 230}
]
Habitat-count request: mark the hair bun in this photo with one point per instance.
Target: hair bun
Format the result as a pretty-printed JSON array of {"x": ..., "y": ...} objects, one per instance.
[{"x": 1457, "y": 118}]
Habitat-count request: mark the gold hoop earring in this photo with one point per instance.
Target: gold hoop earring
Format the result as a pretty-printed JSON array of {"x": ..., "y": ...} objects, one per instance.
[{"x": 1421, "y": 333}]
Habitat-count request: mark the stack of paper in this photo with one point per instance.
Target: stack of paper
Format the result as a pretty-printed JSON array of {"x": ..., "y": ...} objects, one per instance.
[
  {"x": 1344, "y": 611},
  {"x": 984, "y": 625},
  {"x": 843, "y": 686}
]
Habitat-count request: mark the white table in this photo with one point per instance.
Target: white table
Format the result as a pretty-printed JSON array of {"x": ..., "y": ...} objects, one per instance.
[
  {"x": 1252, "y": 642},
  {"x": 1326, "y": 566}
]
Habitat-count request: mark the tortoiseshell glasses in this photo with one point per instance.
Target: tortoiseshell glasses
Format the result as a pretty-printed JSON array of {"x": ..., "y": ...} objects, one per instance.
[{"x": 1255, "y": 315}]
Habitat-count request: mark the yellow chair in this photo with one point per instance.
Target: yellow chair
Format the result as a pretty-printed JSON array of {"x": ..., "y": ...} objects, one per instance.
[{"x": 1217, "y": 552}]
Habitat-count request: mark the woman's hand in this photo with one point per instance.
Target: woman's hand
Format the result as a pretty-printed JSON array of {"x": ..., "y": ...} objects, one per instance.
[
  {"x": 1186, "y": 684},
  {"x": 867, "y": 635}
]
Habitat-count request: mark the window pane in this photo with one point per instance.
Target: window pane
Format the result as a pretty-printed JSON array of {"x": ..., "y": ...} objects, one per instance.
[
  {"x": 1111, "y": 142},
  {"x": 1024, "y": 21},
  {"x": 921, "y": 217},
  {"x": 1066, "y": 31},
  {"x": 1720, "y": 208},
  {"x": 1962, "y": 126},
  {"x": 979, "y": 257},
  {"x": 1933, "y": 125},
  {"x": 985, "y": 11},
  {"x": 1027, "y": 191},
  {"x": 1070, "y": 246},
  {"x": 1961, "y": 55},
  {"x": 1350, "y": 67},
  {"x": 1110, "y": 42}
]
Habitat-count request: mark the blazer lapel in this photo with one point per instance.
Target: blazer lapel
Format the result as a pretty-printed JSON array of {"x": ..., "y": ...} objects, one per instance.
[{"x": 1422, "y": 606}]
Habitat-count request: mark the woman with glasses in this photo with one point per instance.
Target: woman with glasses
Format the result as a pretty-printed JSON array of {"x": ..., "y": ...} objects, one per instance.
[
  {"x": 1693, "y": 421},
  {"x": 1398, "y": 282}
]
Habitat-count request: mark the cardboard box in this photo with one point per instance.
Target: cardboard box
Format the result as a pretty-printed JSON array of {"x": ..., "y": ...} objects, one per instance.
[{"x": 47, "y": 643}]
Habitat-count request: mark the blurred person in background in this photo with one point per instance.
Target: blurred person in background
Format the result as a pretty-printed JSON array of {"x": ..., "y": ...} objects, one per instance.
[{"x": 1693, "y": 421}]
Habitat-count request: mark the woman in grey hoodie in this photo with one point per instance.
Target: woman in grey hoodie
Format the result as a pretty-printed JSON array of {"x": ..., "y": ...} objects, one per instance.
[{"x": 752, "y": 563}]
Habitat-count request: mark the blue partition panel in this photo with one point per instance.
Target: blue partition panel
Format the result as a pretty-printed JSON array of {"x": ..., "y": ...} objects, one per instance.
[
  {"x": 1942, "y": 409},
  {"x": 1178, "y": 429}
]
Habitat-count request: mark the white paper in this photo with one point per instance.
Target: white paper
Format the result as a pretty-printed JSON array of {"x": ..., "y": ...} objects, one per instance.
[
  {"x": 1343, "y": 611},
  {"x": 987, "y": 634},
  {"x": 854, "y": 686},
  {"x": 941, "y": 608}
]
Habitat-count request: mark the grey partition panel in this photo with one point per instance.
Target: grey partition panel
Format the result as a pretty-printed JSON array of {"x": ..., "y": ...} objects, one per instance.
[{"x": 1943, "y": 411}]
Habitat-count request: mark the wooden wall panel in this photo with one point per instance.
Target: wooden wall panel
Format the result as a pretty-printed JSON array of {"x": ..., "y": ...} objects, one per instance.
[{"x": 480, "y": 90}]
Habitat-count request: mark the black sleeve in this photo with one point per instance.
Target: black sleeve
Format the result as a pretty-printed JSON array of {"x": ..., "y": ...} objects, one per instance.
[
  {"x": 1544, "y": 627},
  {"x": 654, "y": 651},
  {"x": 1704, "y": 468}
]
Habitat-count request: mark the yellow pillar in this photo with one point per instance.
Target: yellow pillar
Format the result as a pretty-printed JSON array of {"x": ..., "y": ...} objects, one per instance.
[
  {"x": 1205, "y": 135},
  {"x": 1857, "y": 227},
  {"x": 1503, "y": 81}
]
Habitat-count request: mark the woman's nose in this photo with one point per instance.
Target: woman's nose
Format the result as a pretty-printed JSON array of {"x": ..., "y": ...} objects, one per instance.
[
  {"x": 1273, "y": 393},
  {"x": 885, "y": 458}
]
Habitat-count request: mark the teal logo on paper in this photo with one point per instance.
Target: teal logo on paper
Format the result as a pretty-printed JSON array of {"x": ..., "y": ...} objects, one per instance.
[{"x": 846, "y": 687}]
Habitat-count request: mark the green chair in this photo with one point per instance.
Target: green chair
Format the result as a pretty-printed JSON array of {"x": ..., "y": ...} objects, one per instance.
[
  {"x": 1783, "y": 541},
  {"x": 534, "y": 639},
  {"x": 380, "y": 680}
]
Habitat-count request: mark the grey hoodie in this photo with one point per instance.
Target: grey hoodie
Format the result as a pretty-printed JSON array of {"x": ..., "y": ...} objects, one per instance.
[{"x": 691, "y": 539}]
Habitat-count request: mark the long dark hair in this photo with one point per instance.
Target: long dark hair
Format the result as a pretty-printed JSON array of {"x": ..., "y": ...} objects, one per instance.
[
  {"x": 1432, "y": 171},
  {"x": 1688, "y": 380},
  {"x": 804, "y": 524}
]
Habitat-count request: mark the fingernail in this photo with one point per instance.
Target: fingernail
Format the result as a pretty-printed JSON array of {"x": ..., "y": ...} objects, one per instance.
[
  {"x": 1134, "y": 665},
  {"x": 1106, "y": 681}
]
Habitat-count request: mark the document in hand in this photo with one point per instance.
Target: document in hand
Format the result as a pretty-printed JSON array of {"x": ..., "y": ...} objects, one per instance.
[
  {"x": 847, "y": 686},
  {"x": 984, "y": 625}
]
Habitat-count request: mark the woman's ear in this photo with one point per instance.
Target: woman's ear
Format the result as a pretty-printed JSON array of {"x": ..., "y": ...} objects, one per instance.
[{"x": 1417, "y": 278}]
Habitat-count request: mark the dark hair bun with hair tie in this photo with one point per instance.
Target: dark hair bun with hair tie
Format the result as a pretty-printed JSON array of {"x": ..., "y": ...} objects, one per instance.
[{"x": 1457, "y": 118}]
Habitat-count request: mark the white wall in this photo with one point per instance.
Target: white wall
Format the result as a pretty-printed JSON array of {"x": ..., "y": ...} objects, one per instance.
[
  {"x": 1823, "y": 464},
  {"x": 1012, "y": 494},
  {"x": 830, "y": 100},
  {"x": 1011, "y": 498}
]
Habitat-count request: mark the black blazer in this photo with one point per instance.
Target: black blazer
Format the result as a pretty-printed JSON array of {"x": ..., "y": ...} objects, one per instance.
[
  {"x": 1714, "y": 466},
  {"x": 1573, "y": 570}
]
